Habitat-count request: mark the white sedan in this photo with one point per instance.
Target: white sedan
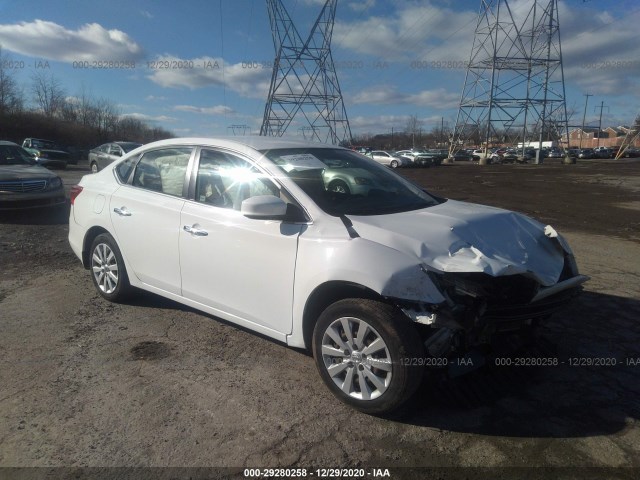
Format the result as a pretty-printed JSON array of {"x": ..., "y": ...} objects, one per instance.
[{"x": 374, "y": 282}]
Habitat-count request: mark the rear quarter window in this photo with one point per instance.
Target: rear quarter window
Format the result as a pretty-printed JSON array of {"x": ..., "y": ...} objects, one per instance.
[{"x": 124, "y": 169}]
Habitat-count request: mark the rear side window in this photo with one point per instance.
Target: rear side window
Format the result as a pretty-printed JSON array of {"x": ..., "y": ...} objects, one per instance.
[
  {"x": 123, "y": 170},
  {"x": 163, "y": 170}
]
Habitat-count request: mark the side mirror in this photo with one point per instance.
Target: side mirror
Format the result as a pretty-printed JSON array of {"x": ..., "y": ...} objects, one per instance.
[{"x": 265, "y": 207}]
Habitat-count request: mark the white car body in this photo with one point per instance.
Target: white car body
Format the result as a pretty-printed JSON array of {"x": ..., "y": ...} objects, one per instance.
[
  {"x": 271, "y": 275},
  {"x": 482, "y": 153}
]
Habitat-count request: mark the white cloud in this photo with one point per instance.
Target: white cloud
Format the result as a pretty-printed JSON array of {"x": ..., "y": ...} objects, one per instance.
[
  {"x": 203, "y": 72},
  {"x": 51, "y": 41},
  {"x": 600, "y": 55},
  {"x": 389, "y": 95},
  {"x": 412, "y": 32},
  {"x": 217, "y": 110},
  {"x": 148, "y": 118}
]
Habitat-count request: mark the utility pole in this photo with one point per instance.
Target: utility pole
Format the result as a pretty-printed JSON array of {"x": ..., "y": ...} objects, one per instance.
[
  {"x": 600, "y": 121},
  {"x": 584, "y": 116}
]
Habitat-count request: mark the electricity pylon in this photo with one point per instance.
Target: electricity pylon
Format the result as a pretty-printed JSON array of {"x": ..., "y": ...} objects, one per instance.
[
  {"x": 514, "y": 86},
  {"x": 304, "y": 81}
]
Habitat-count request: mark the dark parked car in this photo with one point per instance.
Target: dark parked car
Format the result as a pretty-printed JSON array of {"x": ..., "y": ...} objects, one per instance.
[
  {"x": 462, "y": 156},
  {"x": 103, "y": 155},
  {"x": 586, "y": 153},
  {"x": 555, "y": 153},
  {"x": 47, "y": 153},
  {"x": 23, "y": 183},
  {"x": 603, "y": 153},
  {"x": 631, "y": 153}
]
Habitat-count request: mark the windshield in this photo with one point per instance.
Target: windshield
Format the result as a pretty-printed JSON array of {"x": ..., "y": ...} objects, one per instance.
[
  {"x": 342, "y": 182},
  {"x": 44, "y": 144},
  {"x": 14, "y": 155}
]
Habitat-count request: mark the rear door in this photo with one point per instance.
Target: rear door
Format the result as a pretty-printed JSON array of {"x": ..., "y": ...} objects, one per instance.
[{"x": 145, "y": 213}]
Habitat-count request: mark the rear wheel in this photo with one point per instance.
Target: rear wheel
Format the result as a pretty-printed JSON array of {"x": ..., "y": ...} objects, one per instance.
[
  {"x": 94, "y": 167},
  {"x": 108, "y": 272},
  {"x": 394, "y": 164},
  {"x": 363, "y": 350}
]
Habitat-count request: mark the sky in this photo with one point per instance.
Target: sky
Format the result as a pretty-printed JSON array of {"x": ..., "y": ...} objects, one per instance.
[{"x": 197, "y": 67}]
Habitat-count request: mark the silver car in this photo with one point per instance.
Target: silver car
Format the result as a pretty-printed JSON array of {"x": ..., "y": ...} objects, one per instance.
[
  {"x": 385, "y": 158},
  {"x": 105, "y": 154}
]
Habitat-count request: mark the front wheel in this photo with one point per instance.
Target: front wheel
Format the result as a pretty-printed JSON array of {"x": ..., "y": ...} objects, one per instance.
[
  {"x": 394, "y": 164},
  {"x": 366, "y": 353},
  {"x": 94, "y": 167},
  {"x": 339, "y": 186},
  {"x": 108, "y": 272}
]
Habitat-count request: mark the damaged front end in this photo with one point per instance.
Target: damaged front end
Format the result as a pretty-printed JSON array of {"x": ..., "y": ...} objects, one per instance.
[{"x": 479, "y": 308}]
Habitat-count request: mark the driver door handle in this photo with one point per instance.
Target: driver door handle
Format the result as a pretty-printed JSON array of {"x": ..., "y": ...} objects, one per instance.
[{"x": 196, "y": 232}]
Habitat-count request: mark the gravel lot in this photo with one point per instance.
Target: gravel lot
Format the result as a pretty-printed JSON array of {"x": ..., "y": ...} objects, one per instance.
[{"x": 85, "y": 383}]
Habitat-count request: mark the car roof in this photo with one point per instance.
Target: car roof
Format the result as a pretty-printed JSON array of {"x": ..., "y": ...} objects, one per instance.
[
  {"x": 255, "y": 142},
  {"x": 6, "y": 142}
]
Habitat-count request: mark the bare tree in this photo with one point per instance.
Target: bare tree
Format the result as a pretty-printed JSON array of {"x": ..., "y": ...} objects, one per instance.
[
  {"x": 11, "y": 96},
  {"x": 48, "y": 94},
  {"x": 414, "y": 129}
]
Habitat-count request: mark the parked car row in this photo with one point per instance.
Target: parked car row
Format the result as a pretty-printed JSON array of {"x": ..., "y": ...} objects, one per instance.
[{"x": 408, "y": 158}]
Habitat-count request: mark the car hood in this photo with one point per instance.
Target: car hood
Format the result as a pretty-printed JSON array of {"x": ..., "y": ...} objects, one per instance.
[
  {"x": 463, "y": 237},
  {"x": 24, "y": 172}
]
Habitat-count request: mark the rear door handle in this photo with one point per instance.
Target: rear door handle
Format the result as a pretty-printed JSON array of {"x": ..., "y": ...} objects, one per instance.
[
  {"x": 122, "y": 211},
  {"x": 196, "y": 232}
]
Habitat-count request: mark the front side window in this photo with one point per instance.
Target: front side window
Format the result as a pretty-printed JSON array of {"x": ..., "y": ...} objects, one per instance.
[
  {"x": 163, "y": 170},
  {"x": 225, "y": 180}
]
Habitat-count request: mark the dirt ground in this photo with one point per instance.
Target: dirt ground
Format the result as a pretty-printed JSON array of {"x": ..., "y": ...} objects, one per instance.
[{"x": 86, "y": 383}]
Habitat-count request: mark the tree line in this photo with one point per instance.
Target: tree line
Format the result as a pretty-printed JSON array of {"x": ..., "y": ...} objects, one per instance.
[{"x": 44, "y": 109}]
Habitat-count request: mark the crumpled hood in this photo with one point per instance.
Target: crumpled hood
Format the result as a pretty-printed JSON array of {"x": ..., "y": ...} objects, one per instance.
[{"x": 464, "y": 237}]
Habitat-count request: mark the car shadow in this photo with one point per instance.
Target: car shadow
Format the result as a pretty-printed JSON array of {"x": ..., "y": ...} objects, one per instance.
[
  {"x": 41, "y": 216},
  {"x": 581, "y": 394},
  {"x": 590, "y": 385}
]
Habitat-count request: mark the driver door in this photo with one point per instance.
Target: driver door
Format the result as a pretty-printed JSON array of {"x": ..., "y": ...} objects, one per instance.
[{"x": 241, "y": 267}]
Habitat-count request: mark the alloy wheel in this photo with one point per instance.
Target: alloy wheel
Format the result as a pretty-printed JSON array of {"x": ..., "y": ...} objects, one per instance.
[
  {"x": 104, "y": 265},
  {"x": 356, "y": 358}
]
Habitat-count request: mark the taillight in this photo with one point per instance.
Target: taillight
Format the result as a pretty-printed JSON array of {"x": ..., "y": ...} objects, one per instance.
[{"x": 74, "y": 192}]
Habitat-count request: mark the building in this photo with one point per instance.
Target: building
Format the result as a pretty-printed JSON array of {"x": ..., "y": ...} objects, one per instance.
[{"x": 592, "y": 137}]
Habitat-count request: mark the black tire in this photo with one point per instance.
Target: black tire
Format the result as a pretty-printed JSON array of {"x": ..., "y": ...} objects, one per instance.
[
  {"x": 94, "y": 167},
  {"x": 339, "y": 186},
  {"x": 105, "y": 259},
  {"x": 394, "y": 164},
  {"x": 398, "y": 377}
]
